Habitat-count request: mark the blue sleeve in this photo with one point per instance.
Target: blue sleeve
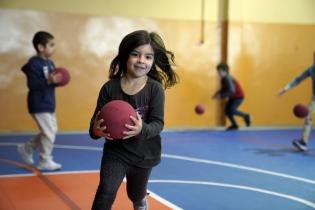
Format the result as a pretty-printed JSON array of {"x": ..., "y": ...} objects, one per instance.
[
  {"x": 301, "y": 77},
  {"x": 35, "y": 76}
]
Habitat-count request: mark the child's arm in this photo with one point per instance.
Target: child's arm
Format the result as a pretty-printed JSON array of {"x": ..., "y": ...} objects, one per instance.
[
  {"x": 216, "y": 95},
  {"x": 95, "y": 130},
  {"x": 296, "y": 81},
  {"x": 155, "y": 122}
]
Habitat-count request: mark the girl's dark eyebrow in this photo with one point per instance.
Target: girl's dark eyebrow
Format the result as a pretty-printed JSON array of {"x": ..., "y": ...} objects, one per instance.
[{"x": 139, "y": 52}]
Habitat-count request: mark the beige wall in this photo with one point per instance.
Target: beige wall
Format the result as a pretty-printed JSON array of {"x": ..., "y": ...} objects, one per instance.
[
  {"x": 85, "y": 45},
  {"x": 269, "y": 43},
  {"x": 162, "y": 9},
  {"x": 265, "y": 57}
]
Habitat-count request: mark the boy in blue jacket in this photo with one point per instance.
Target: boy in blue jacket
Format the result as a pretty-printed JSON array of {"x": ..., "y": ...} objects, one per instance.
[{"x": 41, "y": 102}]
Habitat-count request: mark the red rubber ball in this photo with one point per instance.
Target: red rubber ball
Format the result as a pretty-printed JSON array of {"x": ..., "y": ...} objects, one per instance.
[
  {"x": 199, "y": 109},
  {"x": 300, "y": 110},
  {"x": 116, "y": 114},
  {"x": 64, "y": 74}
]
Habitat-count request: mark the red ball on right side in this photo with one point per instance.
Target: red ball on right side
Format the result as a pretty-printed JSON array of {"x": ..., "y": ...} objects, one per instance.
[
  {"x": 300, "y": 110},
  {"x": 199, "y": 109}
]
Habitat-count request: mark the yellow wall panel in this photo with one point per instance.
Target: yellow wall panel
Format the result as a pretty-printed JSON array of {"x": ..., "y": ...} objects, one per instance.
[
  {"x": 86, "y": 45},
  {"x": 161, "y": 9},
  {"x": 270, "y": 42},
  {"x": 270, "y": 11},
  {"x": 265, "y": 57}
]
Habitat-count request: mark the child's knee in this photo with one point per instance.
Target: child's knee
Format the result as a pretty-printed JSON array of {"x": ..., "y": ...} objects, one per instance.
[
  {"x": 135, "y": 196},
  {"x": 107, "y": 190}
]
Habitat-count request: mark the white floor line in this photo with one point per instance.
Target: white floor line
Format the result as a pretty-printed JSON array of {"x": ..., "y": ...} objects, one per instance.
[
  {"x": 242, "y": 187},
  {"x": 16, "y": 175},
  {"x": 155, "y": 196},
  {"x": 198, "y": 160},
  {"x": 309, "y": 181},
  {"x": 166, "y": 130},
  {"x": 230, "y": 165},
  {"x": 164, "y": 201}
]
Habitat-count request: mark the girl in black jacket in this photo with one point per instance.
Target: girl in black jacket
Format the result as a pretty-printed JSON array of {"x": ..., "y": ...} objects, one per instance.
[{"x": 138, "y": 75}]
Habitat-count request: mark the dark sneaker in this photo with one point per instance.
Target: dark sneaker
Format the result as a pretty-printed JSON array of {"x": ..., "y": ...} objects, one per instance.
[
  {"x": 248, "y": 120},
  {"x": 300, "y": 144},
  {"x": 232, "y": 128}
]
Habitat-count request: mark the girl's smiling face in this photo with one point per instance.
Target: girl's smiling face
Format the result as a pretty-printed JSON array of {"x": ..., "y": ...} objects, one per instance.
[{"x": 140, "y": 61}]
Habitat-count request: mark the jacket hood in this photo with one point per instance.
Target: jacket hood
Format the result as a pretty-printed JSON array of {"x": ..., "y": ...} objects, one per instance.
[{"x": 32, "y": 61}]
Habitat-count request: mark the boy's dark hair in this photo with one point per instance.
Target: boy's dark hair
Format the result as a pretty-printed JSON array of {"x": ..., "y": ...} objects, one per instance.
[
  {"x": 161, "y": 70},
  {"x": 223, "y": 67},
  {"x": 41, "y": 37}
]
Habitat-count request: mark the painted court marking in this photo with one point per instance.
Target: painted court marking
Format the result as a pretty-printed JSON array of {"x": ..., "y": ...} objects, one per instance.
[
  {"x": 230, "y": 165},
  {"x": 58, "y": 192},
  {"x": 205, "y": 161},
  {"x": 46, "y": 181},
  {"x": 165, "y": 202},
  {"x": 198, "y": 160},
  {"x": 242, "y": 187}
]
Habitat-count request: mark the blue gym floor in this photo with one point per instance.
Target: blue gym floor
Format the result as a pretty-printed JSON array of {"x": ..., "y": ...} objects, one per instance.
[{"x": 203, "y": 170}]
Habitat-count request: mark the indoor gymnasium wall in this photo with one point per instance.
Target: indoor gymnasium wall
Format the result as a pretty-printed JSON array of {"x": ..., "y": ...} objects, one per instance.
[
  {"x": 271, "y": 42},
  {"x": 87, "y": 39}
]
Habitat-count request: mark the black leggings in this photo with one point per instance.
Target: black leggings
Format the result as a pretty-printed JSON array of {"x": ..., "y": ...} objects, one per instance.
[{"x": 112, "y": 174}]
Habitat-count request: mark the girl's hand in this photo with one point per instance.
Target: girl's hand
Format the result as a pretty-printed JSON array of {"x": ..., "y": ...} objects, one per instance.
[
  {"x": 135, "y": 129},
  {"x": 98, "y": 130}
]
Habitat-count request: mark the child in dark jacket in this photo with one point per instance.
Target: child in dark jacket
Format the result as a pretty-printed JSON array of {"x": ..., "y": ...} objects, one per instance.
[{"x": 41, "y": 102}]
